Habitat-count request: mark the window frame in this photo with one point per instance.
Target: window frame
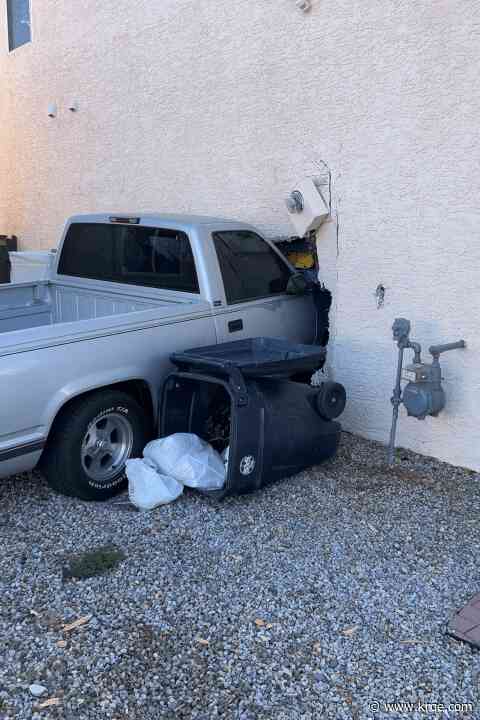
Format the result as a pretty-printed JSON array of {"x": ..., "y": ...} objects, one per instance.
[
  {"x": 272, "y": 249},
  {"x": 10, "y": 27}
]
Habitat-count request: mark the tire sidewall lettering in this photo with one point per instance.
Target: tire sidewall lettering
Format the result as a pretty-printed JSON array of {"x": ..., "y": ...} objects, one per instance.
[{"x": 118, "y": 408}]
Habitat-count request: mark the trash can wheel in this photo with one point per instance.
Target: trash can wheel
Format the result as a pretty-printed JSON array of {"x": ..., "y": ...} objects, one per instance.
[{"x": 331, "y": 400}]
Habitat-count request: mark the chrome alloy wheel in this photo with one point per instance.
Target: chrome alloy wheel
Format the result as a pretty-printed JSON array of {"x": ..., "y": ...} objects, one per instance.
[{"x": 106, "y": 446}]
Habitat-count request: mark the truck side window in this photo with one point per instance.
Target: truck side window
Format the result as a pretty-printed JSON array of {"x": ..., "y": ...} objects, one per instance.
[
  {"x": 249, "y": 267},
  {"x": 136, "y": 255}
]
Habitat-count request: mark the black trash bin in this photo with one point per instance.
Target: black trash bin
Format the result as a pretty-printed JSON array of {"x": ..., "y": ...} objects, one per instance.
[
  {"x": 5, "y": 264},
  {"x": 239, "y": 395}
]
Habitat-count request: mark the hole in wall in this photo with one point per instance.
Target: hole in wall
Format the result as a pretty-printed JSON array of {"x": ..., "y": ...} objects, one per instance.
[{"x": 380, "y": 296}]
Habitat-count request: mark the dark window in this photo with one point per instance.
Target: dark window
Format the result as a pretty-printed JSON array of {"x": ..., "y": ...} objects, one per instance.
[
  {"x": 18, "y": 19},
  {"x": 249, "y": 267},
  {"x": 137, "y": 255}
]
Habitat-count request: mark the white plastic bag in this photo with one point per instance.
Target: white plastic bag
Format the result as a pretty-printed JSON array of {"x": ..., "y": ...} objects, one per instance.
[
  {"x": 188, "y": 459},
  {"x": 147, "y": 488}
]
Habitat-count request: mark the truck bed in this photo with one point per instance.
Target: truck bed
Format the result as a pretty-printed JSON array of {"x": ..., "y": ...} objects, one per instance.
[
  {"x": 45, "y": 314},
  {"x": 30, "y": 305}
]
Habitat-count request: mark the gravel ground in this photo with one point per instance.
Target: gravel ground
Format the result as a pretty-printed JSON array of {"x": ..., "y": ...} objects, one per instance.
[{"x": 312, "y": 599}]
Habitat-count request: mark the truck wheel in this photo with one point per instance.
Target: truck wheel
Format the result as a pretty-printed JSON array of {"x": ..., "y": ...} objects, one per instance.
[{"x": 91, "y": 443}]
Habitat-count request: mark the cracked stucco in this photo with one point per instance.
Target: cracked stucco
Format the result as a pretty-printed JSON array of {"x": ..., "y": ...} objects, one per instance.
[{"x": 220, "y": 107}]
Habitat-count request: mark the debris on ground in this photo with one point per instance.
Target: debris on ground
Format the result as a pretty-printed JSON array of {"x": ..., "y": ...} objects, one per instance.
[
  {"x": 51, "y": 702},
  {"x": 68, "y": 627},
  {"x": 350, "y": 632}
]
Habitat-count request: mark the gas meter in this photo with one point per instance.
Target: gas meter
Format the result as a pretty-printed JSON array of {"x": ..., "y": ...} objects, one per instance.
[{"x": 423, "y": 395}]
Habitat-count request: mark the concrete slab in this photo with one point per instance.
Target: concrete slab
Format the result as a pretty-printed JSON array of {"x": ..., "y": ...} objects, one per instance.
[{"x": 465, "y": 625}]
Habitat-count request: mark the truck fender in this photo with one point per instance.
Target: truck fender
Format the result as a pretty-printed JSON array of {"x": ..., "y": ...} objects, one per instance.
[{"x": 87, "y": 383}]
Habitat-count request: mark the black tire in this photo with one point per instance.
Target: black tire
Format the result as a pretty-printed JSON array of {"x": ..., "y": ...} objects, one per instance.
[
  {"x": 331, "y": 400},
  {"x": 64, "y": 464}
]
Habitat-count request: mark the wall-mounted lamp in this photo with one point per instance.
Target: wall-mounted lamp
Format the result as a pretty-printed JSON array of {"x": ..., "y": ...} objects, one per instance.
[
  {"x": 52, "y": 110},
  {"x": 73, "y": 106}
]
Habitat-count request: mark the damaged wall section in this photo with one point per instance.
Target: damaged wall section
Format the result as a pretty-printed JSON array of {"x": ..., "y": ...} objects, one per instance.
[{"x": 302, "y": 254}]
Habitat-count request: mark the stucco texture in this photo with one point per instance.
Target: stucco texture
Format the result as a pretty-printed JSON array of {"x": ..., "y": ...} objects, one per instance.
[{"x": 221, "y": 107}]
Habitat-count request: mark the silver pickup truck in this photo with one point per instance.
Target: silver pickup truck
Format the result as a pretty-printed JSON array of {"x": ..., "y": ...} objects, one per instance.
[{"x": 83, "y": 354}]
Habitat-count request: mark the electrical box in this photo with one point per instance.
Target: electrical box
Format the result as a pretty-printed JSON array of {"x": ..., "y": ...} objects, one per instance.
[{"x": 307, "y": 207}]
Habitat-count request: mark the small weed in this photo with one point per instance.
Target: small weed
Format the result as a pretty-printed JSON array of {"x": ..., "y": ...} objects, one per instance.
[
  {"x": 402, "y": 454},
  {"x": 92, "y": 563}
]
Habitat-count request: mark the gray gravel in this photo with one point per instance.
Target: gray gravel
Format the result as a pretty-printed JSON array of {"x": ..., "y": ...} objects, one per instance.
[{"x": 350, "y": 571}]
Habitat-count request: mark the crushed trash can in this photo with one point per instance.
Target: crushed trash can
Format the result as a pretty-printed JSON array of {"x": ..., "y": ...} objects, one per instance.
[{"x": 240, "y": 395}]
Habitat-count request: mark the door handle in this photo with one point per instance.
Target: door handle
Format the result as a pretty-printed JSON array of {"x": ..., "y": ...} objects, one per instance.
[{"x": 235, "y": 325}]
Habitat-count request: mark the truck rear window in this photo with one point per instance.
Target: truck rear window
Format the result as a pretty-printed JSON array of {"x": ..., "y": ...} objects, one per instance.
[{"x": 136, "y": 255}]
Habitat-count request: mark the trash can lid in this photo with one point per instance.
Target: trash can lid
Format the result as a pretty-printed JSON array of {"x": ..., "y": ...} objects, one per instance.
[{"x": 254, "y": 357}]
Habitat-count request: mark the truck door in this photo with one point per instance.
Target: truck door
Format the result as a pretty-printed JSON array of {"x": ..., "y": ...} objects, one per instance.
[{"x": 255, "y": 277}]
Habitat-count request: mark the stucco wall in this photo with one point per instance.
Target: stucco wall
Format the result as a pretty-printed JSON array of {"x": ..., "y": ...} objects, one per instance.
[{"x": 219, "y": 107}]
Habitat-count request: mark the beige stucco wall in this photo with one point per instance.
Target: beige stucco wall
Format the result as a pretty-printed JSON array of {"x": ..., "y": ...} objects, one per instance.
[{"x": 219, "y": 107}]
